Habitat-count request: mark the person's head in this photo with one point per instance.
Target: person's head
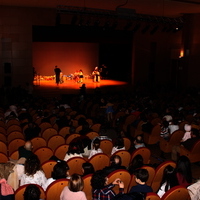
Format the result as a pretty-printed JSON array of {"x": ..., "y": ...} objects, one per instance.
[
  {"x": 115, "y": 160},
  {"x": 165, "y": 124},
  {"x": 32, "y": 192},
  {"x": 74, "y": 148},
  {"x": 76, "y": 183},
  {"x": 56, "y": 66},
  {"x": 87, "y": 168},
  {"x": 99, "y": 180},
  {"x": 96, "y": 143},
  {"x": 60, "y": 170},
  {"x": 32, "y": 165},
  {"x": 187, "y": 128},
  {"x": 136, "y": 163},
  {"x": 169, "y": 177},
  {"x": 183, "y": 167},
  {"x": 28, "y": 145},
  {"x": 119, "y": 143},
  {"x": 138, "y": 140},
  {"x": 141, "y": 176},
  {"x": 194, "y": 132}
]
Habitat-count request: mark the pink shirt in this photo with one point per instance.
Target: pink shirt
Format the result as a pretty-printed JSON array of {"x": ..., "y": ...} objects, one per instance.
[{"x": 66, "y": 194}]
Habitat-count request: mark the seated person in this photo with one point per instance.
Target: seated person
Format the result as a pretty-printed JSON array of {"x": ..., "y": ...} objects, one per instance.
[
  {"x": 96, "y": 148},
  {"x": 115, "y": 164},
  {"x": 136, "y": 163},
  {"x": 101, "y": 189},
  {"x": 169, "y": 180},
  {"x": 74, "y": 189},
  {"x": 87, "y": 168},
  {"x": 164, "y": 130},
  {"x": 187, "y": 134},
  {"x": 6, "y": 191},
  {"x": 60, "y": 170},
  {"x": 73, "y": 151},
  {"x": 32, "y": 192},
  {"x": 141, "y": 177},
  {"x": 32, "y": 131},
  {"x": 33, "y": 173},
  {"x": 138, "y": 142},
  {"x": 119, "y": 145}
]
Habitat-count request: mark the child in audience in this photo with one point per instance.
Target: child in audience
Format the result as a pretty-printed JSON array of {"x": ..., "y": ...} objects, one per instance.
[
  {"x": 60, "y": 170},
  {"x": 96, "y": 148},
  {"x": 87, "y": 168},
  {"x": 136, "y": 163},
  {"x": 33, "y": 173},
  {"x": 73, "y": 151},
  {"x": 169, "y": 180},
  {"x": 32, "y": 192},
  {"x": 74, "y": 190},
  {"x": 183, "y": 171},
  {"x": 164, "y": 130},
  {"x": 141, "y": 177},
  {"x": 119, "y": 145},
  {"x": 101, "y": 189},
  {"x": 187, "y": 134}
]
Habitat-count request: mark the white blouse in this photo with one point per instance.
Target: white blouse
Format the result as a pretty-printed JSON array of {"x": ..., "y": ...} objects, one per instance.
[
  {"x": 38, "y": 178},
  {"x": 115, "y": 149},
  {"x": 94, "y": 152}
]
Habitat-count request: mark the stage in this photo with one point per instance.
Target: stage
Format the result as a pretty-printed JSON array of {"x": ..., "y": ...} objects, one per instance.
[{"x": 49, "y": 88}]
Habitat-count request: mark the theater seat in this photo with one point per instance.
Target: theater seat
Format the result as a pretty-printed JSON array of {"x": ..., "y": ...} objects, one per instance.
[
  {"x": 152, "y": 196},
  {"x": 144, "y": 152},
  {"x": 177, "y": 192},
  {"x": 99, "y": 161}
]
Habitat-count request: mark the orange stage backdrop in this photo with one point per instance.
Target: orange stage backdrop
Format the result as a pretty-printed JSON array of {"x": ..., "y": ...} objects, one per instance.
[{"x": 68, "y": 56}]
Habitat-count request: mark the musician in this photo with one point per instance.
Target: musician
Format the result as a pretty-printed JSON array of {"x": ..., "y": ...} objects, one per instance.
[
  {"x": 96, "y": 74},
  {"x": 57, "y": 73},
  {"x": 80, "y": 76}
]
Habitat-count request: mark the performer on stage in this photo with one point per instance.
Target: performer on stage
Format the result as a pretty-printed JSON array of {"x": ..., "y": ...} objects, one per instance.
[
  {"x": 96, "y": 74},
  {"x": 80, "y": 76},
  {"x": 57, "y": 73}
]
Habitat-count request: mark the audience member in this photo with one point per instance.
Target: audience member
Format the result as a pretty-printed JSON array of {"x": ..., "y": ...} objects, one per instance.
[
  {"x": 74, "y": 190},
  {"x": 141, "y": 177},
  {"x": 169, "y": 180},
  {"x": 137, "y": 162},
  {"x": 33, "y": 173},
  {"x": 101, "y": 189},
  {"x": 60, "y": 170},
  {"x": 96, "y": 148},
  {"x": 32, "y": 192},
  {"x": 119, "y": 145},
  {"x": 87, "y": 168},
  {"x": 6, "y": 191},
  {"x": 138, "y": 142}
]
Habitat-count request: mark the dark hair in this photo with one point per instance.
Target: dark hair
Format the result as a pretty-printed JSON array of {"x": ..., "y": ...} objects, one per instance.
[
  {"x": 183, "y": 167},
  {"x": 96, "y": 143},
  {"x": 119, "y": 143},
  {"x": 195, "y": 132},
  {"x": 32, "y": 192},
  {"x": 88, "y": 168},
  {"x": 73, "y": 148},
  {"x": 98, "y": 180},
  {"x": 76, "y": 183},
  {"x": 113, "y": 160},
  {"x": 165, "y": 124},
  {"x": 32, "y": 165},
  {"x": 169, "y": 177},
  {"x": 60, "y": 170},
  {"x": 136, "y": 163},
  {"x": 142, "y": 174}
]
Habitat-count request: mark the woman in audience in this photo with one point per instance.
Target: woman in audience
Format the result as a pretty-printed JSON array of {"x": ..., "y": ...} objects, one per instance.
[
  {"x": 60, "y": 171},
  {"x": 169, "y": 180},
  {"x": 73, "y": 151},
  {"x": 115, "y": 164},
  {"x": 33, "y": 173},
  {"x": 187, "y": 134},
  {"x": 96, "y": 148},
  {"x": 119, "y": 145},
  {"x": 183, "y": 171},
  {"x": 32, "y": 192},
  {"x": 101, "y": 189},
  {"x": 74, "y": 190},
  {"x": 87, "y": 168},
  {"x": 136, "y": 163}
]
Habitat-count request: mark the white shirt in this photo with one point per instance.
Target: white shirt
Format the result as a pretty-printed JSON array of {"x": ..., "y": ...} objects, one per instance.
[
  {"x": 38, "y": 178},
  {"x": 115, "y": 149},
  {"x": 68, "y": 156},
  {"x": 94, "y": 152},
  {"x": 173, "y": 128},
  {"x": 161, "y": 191}
]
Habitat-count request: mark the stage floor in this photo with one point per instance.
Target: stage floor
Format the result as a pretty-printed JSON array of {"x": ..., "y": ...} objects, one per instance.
[{"x": 49, "y": 88}]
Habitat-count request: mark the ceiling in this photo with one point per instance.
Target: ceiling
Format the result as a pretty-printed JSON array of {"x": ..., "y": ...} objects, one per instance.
[{"x": 168, "y": 8}]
